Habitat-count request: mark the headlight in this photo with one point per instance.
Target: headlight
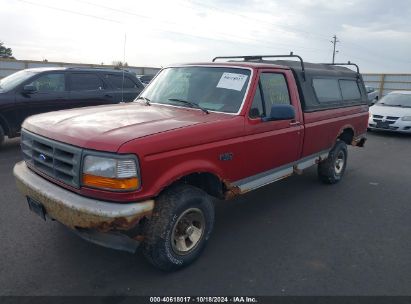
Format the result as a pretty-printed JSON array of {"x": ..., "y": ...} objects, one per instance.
[
  {"x": 110, "y": 173},
  {"x": 406, "y": 118}
]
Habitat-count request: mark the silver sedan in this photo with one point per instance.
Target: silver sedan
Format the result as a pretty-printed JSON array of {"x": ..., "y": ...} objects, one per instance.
[{"x": 372, "y": 94}]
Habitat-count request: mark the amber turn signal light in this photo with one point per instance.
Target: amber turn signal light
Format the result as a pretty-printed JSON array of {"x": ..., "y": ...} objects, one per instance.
[{"x": 110, "y": 183}]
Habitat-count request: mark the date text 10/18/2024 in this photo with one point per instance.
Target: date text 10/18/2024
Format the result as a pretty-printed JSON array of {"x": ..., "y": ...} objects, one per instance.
[{"x": 203, "y": 300}]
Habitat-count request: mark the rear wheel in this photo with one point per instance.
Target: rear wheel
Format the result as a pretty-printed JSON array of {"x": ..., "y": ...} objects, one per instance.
[
  {"x": 332, "y": 169},
  {"x": 179, "y": 227}
]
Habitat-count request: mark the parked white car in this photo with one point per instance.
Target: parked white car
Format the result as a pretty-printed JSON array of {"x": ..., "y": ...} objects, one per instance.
[{"x": 392, "y": 112}]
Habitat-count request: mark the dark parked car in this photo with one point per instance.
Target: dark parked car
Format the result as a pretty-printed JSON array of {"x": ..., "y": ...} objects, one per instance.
[
  {"x": 40, "y": 90},
  {"x": 145, "y": 79}
]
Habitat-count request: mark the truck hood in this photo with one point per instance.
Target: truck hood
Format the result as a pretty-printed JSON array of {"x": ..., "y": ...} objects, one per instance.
[
  {"x": 390, "y": 111},
  {"x": 106, "y": 128}
]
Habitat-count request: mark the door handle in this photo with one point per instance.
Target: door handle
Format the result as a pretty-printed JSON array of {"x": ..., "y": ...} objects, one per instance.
[
  {"x": 295, "y": 123},
  {"x": 108, "y": 96}
]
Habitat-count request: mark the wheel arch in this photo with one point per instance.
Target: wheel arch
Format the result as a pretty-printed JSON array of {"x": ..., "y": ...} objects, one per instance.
[
  {"x": 202, "y": 175},
  {"x": 346, "y": 134}
]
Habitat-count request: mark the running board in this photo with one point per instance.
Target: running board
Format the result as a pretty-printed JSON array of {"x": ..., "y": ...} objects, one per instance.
[{"x": 268, "y": 177}]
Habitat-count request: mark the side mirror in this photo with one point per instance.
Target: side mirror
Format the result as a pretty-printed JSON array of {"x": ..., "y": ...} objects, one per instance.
[
  {"x": 29, "y": 89},
  {"x": 280, "y": 112}
]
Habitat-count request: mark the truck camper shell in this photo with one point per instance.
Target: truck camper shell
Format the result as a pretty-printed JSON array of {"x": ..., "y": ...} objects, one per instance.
[{"x": 312, "y": 77}]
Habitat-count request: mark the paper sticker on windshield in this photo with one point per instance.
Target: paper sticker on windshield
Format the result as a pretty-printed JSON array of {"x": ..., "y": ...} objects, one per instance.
[{"x": 232, "y": 81}]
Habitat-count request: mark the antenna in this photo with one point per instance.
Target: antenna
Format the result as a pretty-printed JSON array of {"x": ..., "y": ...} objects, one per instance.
[{"x": 124, "y": 61}]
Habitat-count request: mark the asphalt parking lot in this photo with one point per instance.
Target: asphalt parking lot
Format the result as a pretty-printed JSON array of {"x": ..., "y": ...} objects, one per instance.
[{"x": 295, "y": 237}]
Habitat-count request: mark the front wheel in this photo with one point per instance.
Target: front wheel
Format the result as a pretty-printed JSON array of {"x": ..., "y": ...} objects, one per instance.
[
  {"x": 180, "y": 225},
  {"x": 332, "y": 169}
]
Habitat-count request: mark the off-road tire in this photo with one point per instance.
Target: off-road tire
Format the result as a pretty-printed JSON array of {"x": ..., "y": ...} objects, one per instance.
[
  {"x": 2, "y": 135},
  {"x": 157, "y": 246},
  {"x": 328, "y": 170}
]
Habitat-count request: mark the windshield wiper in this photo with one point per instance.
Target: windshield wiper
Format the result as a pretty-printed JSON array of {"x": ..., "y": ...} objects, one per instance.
[
  {"x": 391, "y": 105},
  {"x": 146, "y": 100},
  {"x": 192, "y": 104}
]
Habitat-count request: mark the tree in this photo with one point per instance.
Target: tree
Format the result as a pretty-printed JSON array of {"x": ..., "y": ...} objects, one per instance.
[
  {"x": 119, "y": 64},
  {"x": 5, "y": 52}
]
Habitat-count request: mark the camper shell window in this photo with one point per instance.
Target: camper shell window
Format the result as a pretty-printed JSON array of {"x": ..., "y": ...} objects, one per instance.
[{"x": 346, "y": 86}]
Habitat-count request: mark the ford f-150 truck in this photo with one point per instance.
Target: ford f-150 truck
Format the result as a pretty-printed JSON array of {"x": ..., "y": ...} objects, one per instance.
[{"x": 145, "y": 173}]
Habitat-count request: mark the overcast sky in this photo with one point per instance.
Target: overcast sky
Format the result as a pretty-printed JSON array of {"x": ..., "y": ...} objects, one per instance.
[{"x": 375, "y": 34}]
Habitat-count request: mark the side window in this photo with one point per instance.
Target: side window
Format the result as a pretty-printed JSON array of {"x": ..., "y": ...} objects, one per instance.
[
  {"x": 327, "y": 90},
  {"x": 50, "y": 83},
  {"x": 275, "y": 90},
  {"x": 128, "y": 83},
  {"x": 117, "y": 81},
  {"x": 257, "y": 109},
  {"x": 350, "y": 90},
  {"x": 85, "y": 82}
]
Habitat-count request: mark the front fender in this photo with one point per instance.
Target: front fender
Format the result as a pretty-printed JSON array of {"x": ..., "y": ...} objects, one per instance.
[{"x": 179, "y": 170}]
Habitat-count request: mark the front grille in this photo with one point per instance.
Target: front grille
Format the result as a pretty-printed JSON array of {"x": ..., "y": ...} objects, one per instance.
[
  {"x": 57, "y": 160},
  {"x": 388, "y": 119}
]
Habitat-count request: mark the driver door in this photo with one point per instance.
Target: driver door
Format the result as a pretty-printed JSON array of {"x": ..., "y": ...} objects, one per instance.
[
  {"x": 272, "y": 145},
  {"x": 50, "y": 95}
]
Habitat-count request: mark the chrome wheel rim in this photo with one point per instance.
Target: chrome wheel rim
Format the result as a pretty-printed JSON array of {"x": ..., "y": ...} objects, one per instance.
[
  {"x": 339, "y": 162},
  {"x": 188, "y": 231}
]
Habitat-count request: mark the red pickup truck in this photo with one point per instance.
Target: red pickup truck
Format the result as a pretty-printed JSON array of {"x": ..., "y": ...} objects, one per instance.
[{"x": 146, "y": 172}]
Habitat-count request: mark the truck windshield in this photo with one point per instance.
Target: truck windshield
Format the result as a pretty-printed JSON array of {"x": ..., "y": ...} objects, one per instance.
[
  {"x": 13, "y": 80},
  {"x": 219, "y": 89}
]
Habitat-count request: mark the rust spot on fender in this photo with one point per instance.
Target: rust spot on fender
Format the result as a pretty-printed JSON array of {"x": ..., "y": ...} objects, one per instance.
[
  {"x": 359, "y": 141},
  {"x": 231, "y": 190}
]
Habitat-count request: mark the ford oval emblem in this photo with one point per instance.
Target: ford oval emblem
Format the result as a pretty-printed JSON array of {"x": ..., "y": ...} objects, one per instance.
[{"x": 42, "y": 157}]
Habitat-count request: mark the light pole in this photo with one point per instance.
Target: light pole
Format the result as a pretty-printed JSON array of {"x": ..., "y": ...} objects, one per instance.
[{"x": 334, "y": 42}]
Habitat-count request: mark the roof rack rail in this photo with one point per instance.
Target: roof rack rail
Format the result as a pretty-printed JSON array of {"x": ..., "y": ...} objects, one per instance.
[
  {"x": 348, "y": 63},
  {"x": 260, "y": 57}
]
